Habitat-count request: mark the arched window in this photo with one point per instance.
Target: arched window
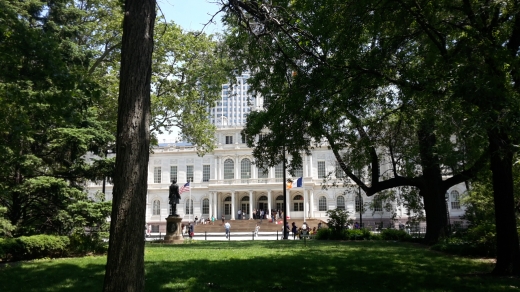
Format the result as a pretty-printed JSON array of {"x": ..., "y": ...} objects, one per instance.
[
  {"x": 322, "y": 204},
  {"x": 245, "y": 168},
  {"x": 229, "y": 169},
  {"x": 205, "y": 206},
  {"x": 228, "y": 199},
  {"x": 262, "y": 198},
  {"x": 298, "y": 203},
  {"x": 298, "y": 172},
  {"x": 279, "y": 203},
  {"x": 340, "y": 203},
  {"x": 378, "y": 204},
  {"x": 263, "y": 173},
  {"x": 359, "y": 203},
  {"x": 278, "y": 171},
  {"x": 455, "y": 200},
  {"x": 156, "y": 207},
  {"x": 189, "y": 207}
]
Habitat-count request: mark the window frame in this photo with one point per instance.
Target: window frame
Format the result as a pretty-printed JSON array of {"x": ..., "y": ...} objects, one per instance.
[
  {"x": 156, "y": 207},
  {"x": 322, "y": 169},
  {"x": 206, "y": 172},
  {"x": 340, "y": 205},
  {"x": 229, "y": 169},
  {"x": 322, "y": 204},
  {"x": 174, "y": 173},
  {"x": 157, "y": 173}
]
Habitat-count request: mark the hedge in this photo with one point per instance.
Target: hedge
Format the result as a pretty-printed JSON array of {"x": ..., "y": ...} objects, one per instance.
[{"x": 33, "y": 247}]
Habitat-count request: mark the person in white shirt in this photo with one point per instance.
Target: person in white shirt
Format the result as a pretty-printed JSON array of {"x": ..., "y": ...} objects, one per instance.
[
  {"x": 305, "y": 229},
  {"x": 227, "y": 226},
  {"x": 256, "y": 230}
]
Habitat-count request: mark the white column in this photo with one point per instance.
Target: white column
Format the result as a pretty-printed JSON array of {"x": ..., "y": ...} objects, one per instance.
[
  {"x": 269, "y": 202},
  {"x": 288, "y": 200},
  {"x": 213, "y": 174},
  {"x": 305, "y": 207},
  {"x": 251, "y": 201},
  {"x": 305, "y": 166},
  {"x": 311, "y": 203},
  {"x": 210, "y": 206},
  {"x": 237, "y": 167},
  {"x": 215, "y": 204},
  {"x": 232, "y": 205},
  {"x": 310, "y": 166},
  {"x": 219, "y": 167}
]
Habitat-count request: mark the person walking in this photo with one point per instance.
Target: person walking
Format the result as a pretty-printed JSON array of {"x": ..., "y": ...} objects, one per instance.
[
  {"x": 227, "y": 226},
  {"x": 191, "y": 230},
  {"x": 294, "y": 230},
  {"x": 223, "y": 218},
  {"x": 287, "y": 229},
  {"x": 257, "y": 228}
]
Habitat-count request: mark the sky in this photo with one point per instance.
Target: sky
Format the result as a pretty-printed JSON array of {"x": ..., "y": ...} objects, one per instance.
[{"x": 190, "y": 15}]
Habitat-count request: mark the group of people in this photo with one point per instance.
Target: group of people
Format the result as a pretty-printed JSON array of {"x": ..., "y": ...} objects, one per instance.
[
  {"x": 257, "y": 214},
  {"x": 260, "y": 214},
  {"x": 304, "y": 230},
  {"x": 189, "y": 229}
]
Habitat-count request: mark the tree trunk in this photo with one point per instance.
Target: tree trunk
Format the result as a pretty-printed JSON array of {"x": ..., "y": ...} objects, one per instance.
[
  {"x": 508, "y": 252},
  {"x": 436, "y": 214},
  {"x": 431, "y": 189},
  {"x": 125, "y": 262}
]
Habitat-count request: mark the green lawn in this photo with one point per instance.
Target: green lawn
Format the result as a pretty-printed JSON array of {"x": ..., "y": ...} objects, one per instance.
[{"x": 271, "y": 266}]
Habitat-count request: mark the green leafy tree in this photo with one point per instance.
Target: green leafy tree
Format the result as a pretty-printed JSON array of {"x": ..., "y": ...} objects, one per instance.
[
  {"x": 351, "y": 94},
  {"x": 442, "y": 58},
  {"x": 5, "y": 225},
  {"x": 46, "y": 116},
  {"x": 337, "y": 220},
  {"x": 188, "y": 71}
]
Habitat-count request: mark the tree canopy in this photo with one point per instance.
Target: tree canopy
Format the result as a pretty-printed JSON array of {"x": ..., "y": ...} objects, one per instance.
[{"x": 362, "y": 75}]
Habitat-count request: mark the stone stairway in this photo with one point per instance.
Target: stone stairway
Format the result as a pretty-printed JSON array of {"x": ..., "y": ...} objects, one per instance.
[{"x": 249, "y": 225}]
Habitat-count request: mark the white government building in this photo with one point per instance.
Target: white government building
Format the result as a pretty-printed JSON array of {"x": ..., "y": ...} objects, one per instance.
[{"x": 226, "y": 180}]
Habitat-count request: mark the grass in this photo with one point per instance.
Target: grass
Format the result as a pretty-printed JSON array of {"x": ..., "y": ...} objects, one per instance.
[{"x": 271, "y": 266}]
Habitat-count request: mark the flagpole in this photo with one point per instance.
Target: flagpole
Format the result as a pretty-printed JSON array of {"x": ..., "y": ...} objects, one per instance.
[
  {"x": 285, "y": 235},
  {"x": 191, "y": 203}
]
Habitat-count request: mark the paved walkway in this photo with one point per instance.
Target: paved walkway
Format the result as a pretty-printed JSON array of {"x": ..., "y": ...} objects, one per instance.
[{"x": 234, "y": 236}]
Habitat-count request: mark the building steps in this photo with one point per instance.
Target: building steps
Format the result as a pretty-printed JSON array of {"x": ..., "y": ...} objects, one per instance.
[{"x": 249, "y": 225}]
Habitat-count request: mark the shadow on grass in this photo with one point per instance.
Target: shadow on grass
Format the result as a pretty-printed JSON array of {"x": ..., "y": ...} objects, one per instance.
[{"x": 273, "y": 266}]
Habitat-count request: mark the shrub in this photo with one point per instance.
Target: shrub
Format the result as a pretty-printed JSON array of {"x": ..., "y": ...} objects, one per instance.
[
  {"x": 394, "y": 234},
  {"x": 84, "y": 243},
  {"x": 345, "y": 234},
  {"x": 33, "y": 247},
  {"x": 337, "y": 221},
  {"x": 479, "y": 240},
  {"x": 461, "y": 246},
  {"x": 323, "y": 234}
]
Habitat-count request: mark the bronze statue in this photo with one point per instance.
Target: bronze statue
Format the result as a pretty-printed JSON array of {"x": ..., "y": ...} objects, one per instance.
[{"x": 174, "y": 197}]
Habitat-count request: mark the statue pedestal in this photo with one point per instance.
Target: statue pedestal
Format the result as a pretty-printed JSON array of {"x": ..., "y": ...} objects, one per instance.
[{"x": 173, "y": 230}]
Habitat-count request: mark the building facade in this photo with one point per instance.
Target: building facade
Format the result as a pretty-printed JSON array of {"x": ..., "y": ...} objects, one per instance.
[{"x": 226, "y": 180}]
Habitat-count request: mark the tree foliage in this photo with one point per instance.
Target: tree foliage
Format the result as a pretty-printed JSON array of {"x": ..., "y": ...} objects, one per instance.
[
  {"x": 47, "y": 118},
  {"x": 447, "y": 70},
  {"x": 353, "y": 90},
  {"x": 188, "y": 71}
]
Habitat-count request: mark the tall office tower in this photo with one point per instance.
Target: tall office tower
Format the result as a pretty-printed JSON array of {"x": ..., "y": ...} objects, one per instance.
[{"x": 235, "y": 104}]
